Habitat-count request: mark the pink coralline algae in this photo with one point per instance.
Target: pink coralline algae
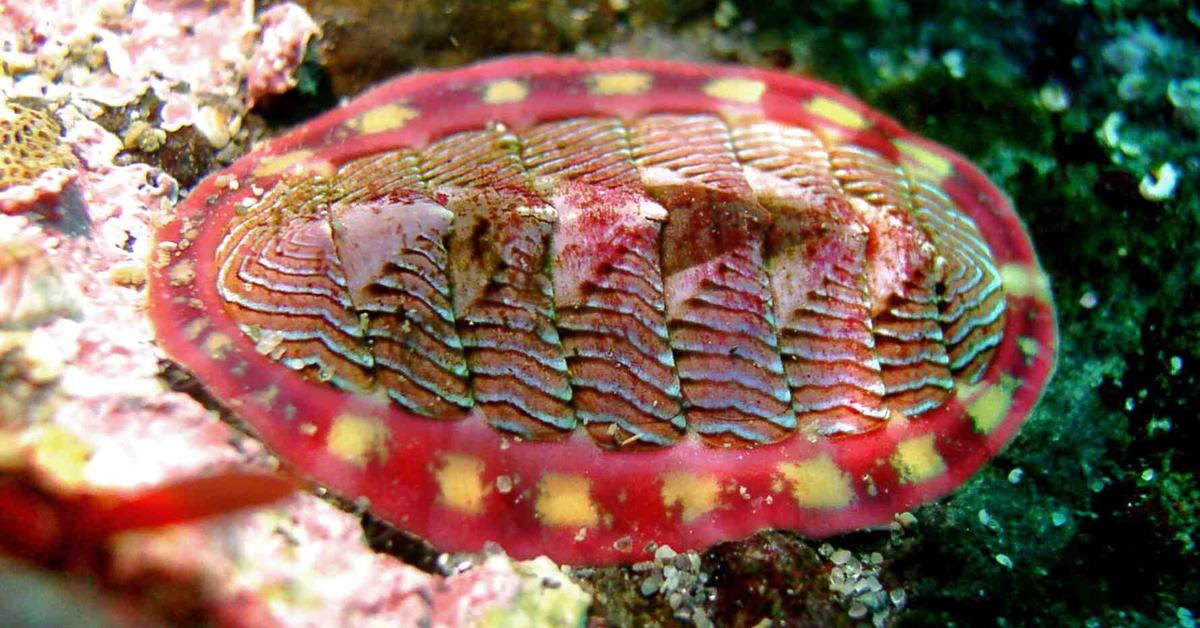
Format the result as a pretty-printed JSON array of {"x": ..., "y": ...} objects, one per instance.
[
  {"x": 588, "y": 308},
  {"x": 286, "y": 32},
  {"x": 195, "y": 56}
]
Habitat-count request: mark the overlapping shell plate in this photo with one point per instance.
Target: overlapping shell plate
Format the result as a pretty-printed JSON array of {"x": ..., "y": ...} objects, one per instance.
[{"x": 578, "y": 307}]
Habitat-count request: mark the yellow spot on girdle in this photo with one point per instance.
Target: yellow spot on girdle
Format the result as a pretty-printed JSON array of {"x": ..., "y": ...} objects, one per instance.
[
  {"x": 266, "y": 396},
  {"x": 217, "y": 345},
  {"x": 384, "y": 118},
  {"x": 504, "y": 91},
  {"x": 182, "y": 273},
  {"x": 565, "y": 500},
  {"x": 279, "y": 163},
  {"x": 988, "y": 410},
  {"x": 939, "y": 166},
  {"x": 696, "y": 494},
  {"x": 1028, "y": 346},
  {"x": 818, "y": 482},
  {"x": 742, "y": 90},
  {"x": 837, "y": 113},
  {"x": 916, "y": 459},
  {"x": 619, "y": 83},
  {"x": 1025, "y": 281},
  {"x": 460, "y": 483},
  {"x": 355, "y": 438},
  {"x": 192, "y": 330}
]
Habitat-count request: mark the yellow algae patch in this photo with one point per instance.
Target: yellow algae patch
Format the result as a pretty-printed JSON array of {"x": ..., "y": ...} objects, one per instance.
[
  {"x": 836, "y": 112},
  {"x": 355, "y": 438},
  {"x": 547, "y": 596},
  {"x": 1022, "y": 280},
  {"x": 916, "y": 459},
  {"x": 695, "y": 494},
  {"x": 743, "y": 90},
  {"x": 818, "y": 482},
  {"x": 129, "y": 274},
  {"x": 384, "y": 118},
  {"x": 460, "y": 483},
  {"x": 935, "y": 163},
  {"x": 619, "y": 83},
  {"x": 12, "y": 451},
  {"x": 505, "y": 91},
  {"x": 62, "y": 455},
  {"x": 565, "y": 500},
  {"x": 279, "y": 163}
]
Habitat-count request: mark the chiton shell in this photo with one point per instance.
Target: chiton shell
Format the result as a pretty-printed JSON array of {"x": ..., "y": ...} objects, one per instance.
[{"x": 579, "y": 308}]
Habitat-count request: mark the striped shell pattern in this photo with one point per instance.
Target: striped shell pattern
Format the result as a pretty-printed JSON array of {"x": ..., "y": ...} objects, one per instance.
[{"x": 581, "y": 308}]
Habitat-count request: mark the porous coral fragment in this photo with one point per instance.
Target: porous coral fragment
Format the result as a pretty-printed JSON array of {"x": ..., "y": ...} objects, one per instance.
[{"x": 35, "y": 163}]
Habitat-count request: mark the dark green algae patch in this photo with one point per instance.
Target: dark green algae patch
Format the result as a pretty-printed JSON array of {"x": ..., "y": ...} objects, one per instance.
[{"x": 1092, "y": 516}]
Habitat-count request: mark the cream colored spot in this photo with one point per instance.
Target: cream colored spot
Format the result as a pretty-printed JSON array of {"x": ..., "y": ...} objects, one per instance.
[
  {"x": 460, "y": 483},
  {"x": 743, "y": 90},
  {"x": 192, "y": 330},
  {"x": 939, "y": 166},
  {"x": 818, "y": 482},
  {"x": 129, "y": 274},
  {"x": 384, "y": 118},
  {"x": 505, "y": 91},
  {"x": 182, "y": 272},
  {"x": 1024, "y": 281},
  {"x": 266, "y": 396},
  {"x": 217, "y": 345},
  {"x": 279, "y": 163},
  {"x": 565, "y": 500},
  {"x": 837, "y": 112},
  {"x": 988, "y": 410},
  {"x": 695, "y": 494},
  {"x": 619, "y": 83},
  {"x": 916, "y": 459},
  {"x": 355, "y": 438}
]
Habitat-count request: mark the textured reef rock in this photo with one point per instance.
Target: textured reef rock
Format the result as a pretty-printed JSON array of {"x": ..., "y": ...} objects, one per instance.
[
  {"x": 286, "y": 30},
  {"x": 193, "y": 55}
]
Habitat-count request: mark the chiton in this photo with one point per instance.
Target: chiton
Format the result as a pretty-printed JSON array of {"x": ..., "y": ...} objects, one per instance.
[{"x": 579, "y": 308}]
